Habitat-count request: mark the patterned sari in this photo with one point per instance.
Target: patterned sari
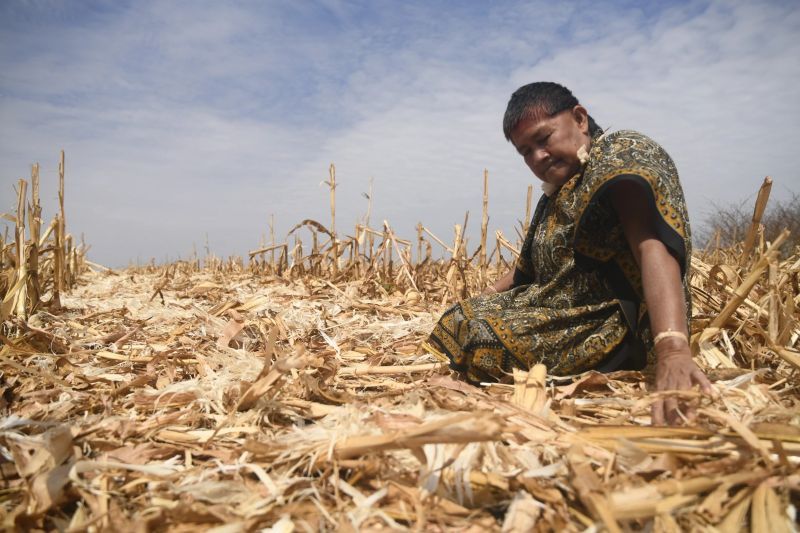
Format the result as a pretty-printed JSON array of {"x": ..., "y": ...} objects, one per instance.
[{"x": 578, "y": 300}]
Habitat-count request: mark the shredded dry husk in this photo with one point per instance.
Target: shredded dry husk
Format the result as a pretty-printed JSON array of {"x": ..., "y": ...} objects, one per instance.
[{"x": 292, "y": 395}]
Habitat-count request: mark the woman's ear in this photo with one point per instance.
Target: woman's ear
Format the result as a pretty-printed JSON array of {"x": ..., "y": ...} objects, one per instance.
[{"x": 581, "y": 117}]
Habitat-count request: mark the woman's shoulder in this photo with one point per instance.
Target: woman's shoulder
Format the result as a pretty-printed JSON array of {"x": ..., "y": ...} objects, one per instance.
[
  {"x": 620, "y": 138},
  {"x": 623, "y": 147}
]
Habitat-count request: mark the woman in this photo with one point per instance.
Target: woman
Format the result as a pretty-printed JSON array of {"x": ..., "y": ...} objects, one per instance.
[{"x": 602, "y": 279}]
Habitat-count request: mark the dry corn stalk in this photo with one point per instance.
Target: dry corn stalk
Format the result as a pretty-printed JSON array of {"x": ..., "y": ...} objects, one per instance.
[{"x": 250, "y": 397}]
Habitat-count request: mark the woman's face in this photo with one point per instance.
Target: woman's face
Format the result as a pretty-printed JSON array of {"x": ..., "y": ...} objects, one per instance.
[{"x": 550, "y": 144}]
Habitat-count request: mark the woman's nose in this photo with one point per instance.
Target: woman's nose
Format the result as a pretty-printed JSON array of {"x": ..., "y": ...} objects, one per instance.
[{"x": 540, "y": 156}]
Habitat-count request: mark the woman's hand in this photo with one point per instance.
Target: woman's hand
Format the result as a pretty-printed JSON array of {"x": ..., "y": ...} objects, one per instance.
[
  {"x": 676, "y": 370},
  {"x": 503, "y": 284}
]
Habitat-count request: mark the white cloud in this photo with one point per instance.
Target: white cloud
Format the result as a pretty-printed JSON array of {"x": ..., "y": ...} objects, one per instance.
[{"x": 181, "y": 119}]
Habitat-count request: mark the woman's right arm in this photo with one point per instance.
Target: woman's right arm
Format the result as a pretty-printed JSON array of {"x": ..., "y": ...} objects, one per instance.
[{"x": 503, "y": 284}]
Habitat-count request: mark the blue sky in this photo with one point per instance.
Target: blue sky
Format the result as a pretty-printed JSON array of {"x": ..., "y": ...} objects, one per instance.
[{"x": 186, "y": 118}]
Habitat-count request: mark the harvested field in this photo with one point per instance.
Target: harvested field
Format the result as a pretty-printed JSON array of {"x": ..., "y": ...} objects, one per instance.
[{"x": 292, "y": 394}]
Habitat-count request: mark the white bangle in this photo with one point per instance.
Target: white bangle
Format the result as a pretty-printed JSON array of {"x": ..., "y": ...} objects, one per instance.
[{"x": 670, "y": 333}]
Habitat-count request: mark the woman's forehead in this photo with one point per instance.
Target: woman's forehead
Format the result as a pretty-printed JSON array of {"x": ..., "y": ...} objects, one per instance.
[
  {"x": 538, "y": 111},
  {"x": 529, "y": 124}
]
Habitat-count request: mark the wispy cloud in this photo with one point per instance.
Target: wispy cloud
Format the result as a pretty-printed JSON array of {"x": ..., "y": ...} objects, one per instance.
[{"x": 186, "y": 118}]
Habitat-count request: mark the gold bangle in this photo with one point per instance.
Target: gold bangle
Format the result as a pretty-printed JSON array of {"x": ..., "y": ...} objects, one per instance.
[{"x": 670, "y": 333}]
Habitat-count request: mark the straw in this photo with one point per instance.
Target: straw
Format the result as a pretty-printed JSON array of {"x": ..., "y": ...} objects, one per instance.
[{"x": 299, "y": 394}]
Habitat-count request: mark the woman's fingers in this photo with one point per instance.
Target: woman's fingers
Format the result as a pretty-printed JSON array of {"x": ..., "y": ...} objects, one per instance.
[
  {"x": 671, "y": 405},
  {"x": 658, "y": 413},
  {"x": 700, "y": 379},
  {"x": 671, "y": 410},
  {"x": 680, "y": 374}
]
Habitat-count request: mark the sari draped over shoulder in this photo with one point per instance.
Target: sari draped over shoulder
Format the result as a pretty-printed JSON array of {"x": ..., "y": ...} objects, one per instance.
[{"x": 578, "y": 298}]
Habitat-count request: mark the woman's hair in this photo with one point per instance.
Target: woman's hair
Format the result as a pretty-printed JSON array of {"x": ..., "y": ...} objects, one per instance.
[{"x": 541, "y": 96}]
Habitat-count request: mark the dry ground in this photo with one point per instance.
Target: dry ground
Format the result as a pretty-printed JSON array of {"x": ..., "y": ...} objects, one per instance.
[{"x": 183, "y": 400}]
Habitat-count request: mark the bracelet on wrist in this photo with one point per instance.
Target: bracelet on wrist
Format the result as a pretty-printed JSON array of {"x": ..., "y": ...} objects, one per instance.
[{"x": 670, "y": 333}]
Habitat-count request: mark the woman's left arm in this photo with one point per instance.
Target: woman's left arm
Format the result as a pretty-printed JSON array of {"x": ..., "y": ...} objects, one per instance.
[{"x": 663, "y": 293}]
